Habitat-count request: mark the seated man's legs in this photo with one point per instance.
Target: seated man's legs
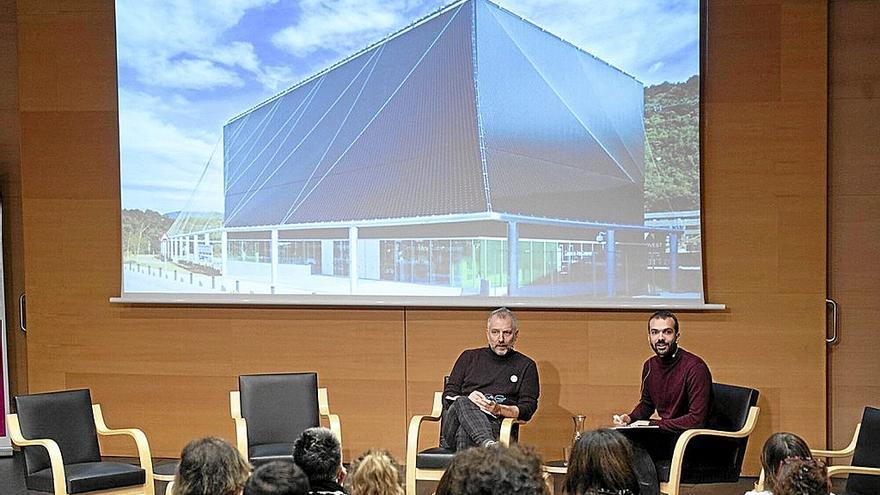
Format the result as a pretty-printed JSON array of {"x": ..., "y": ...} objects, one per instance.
[
  {"x": 465, "y": 425},
  {"x": 658, "y": 443}
]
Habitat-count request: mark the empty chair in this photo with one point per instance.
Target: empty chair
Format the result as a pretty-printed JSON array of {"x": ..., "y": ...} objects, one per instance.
[
  {"x": 864, "y": 471},
  {"x": 272, "y": 410},
  {"x": 58, "y": 432}
]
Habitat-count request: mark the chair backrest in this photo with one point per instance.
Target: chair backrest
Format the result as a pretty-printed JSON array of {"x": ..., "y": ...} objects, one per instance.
[
  {"x": 867, "y": 454},
  {"x": 730, "y": 406},
  {"x": 65, "y": 417},
  {"x": 278, "y": 407},
  {"x": 712, "y": 459}
]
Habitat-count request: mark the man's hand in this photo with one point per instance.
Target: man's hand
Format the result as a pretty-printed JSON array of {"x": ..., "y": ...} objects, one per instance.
[
  {"x": 621, "y": 419},
  {"x": 479, "y": 399}
]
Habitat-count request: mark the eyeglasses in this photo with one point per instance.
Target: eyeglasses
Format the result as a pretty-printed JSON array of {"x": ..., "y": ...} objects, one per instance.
[{"x": 498, "y": 399}]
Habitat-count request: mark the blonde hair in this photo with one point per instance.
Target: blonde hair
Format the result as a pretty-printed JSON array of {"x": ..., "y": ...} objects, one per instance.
[
  {"x": 375, "y": 473},
  {"x": 210, "y": 466}
]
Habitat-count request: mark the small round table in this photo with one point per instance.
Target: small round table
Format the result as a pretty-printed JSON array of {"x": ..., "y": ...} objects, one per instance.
[
  {"x": 552, "y": 469},
  {"x": 165, "y": 472}
]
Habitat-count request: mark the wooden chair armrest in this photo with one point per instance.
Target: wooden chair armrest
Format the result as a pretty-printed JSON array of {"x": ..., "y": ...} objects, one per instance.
[
  {"x": 412, "y": 437},
  {"x": 675, "y": 467},
  {"x": 507, "y": 430},
  {"x": 240, "y": 423},
  {"x": 332, "y": 419},
  {"x": 844, "y": 452},
  {"x": 140, "y": 440},
  {"x": 838, "y": 470},
  {"x": 59, "y": 481}
]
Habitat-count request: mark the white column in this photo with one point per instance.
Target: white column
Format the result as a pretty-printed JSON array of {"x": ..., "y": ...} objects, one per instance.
[
  {"x": 224, "y": 252},
  {"x": 353, "y": 259},
  {"x": 273, "y": 252}
]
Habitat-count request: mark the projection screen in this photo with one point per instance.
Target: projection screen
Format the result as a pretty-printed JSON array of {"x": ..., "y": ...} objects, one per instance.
[{"x": 520, "y": 152}]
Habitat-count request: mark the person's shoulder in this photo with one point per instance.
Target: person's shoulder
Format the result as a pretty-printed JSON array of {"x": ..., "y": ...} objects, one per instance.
[
  {"x": 755, "y": 492},
  {"x": 692, "y": 359},
  {"x": 472, "y": 353},
  {"x": 523, "y": 359}
]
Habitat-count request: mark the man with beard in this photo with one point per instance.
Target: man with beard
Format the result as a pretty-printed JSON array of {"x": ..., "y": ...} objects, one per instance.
[
  {"x": 489, "y": 384},
  {"x": 675, "y": 383}
]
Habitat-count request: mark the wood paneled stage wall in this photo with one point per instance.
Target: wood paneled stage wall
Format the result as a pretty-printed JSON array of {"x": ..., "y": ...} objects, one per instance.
[{"x": 168, "y": 370}]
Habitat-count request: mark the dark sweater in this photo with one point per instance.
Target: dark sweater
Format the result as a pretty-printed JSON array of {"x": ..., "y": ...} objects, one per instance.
[
  {"x": 680, "y": 390},
  {"x": 514, "y": 375},
  {"x": 325, "y": 487}
]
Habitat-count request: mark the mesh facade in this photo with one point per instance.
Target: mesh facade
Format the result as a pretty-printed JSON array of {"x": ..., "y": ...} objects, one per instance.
[{"x": 470, "y": 110}]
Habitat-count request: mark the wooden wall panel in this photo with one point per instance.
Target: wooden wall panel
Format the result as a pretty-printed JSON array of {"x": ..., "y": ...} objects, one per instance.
[
  {"x": 854, "y": 225},
  {"x": 764, "y": 236},
  {"x": 10, "y": 190}
]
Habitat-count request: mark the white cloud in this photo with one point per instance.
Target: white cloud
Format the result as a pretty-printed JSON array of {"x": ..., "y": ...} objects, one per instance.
[
  {"x": 192, "y": 74},
  {"x": 169, "y": 43},
  {"x": 161, "y": 162},
  {"x": 633, "y": 35},
  {"x": 342, "y": 26},
  {"x": 276, "y": 78}
]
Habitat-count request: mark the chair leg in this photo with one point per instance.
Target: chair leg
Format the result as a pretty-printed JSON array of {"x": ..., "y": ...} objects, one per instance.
[
  {"x": 410, "y": 480},
  {"x": 670, "y": 488}
]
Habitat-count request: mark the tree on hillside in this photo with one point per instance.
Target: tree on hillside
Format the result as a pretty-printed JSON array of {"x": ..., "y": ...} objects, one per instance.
[
  {"x": 142, "y": 231},
  {"x": 672, "y": 146}
]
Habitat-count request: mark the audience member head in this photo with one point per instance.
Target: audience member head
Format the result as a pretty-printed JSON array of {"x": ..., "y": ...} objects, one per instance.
[
  {"x": 374, "y": 473},
  {"x": 777, "y": 448},
  {"x": 802, "y": 477},
  {"x": 318, "y": 453},
  {"x": 494, "y": 470},
  {"x": 601, "y": 460},
  {"x": 277, "y": 478},
  {"x": 210, "y": 466}
]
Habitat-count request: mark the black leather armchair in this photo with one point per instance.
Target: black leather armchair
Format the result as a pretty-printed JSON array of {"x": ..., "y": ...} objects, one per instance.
[
  {"x": 58, "y": 432},
  {"x": 864, "y": 470},
  {"x": 271, "y": 411},
  {"x": 713, "y": 454},
  {"x": 430, "y": 464}
]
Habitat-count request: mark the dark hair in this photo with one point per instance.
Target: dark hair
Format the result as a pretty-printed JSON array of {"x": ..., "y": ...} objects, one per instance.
[
  {"x": 777, "y": 448},
  {"x": 601, "y": 460},
  {"x": 802, "y": 477},
  {"x": 277, "y": 478},
  {"x": 318, "y": 453},
  {"x": 662, "y": 315},
  {"x": 210, "y": 466},
  {"x": 494, "y": 470}
]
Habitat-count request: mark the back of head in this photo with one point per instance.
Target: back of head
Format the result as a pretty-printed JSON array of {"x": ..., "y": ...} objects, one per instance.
[
  {"x": 802, "y": 477},
  {"x": 601, "y": 460},
  {"x": 374, "y": 473},
  {"x": 777, "y": 448},
  {"x": 210, "y": 466},
  {"x": 318, "y": 453},
  {"x": 277, "y": 478},
  {"x": 494, "y": 470}
]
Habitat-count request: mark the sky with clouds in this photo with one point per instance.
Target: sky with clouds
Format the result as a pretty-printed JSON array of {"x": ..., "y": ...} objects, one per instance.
[{"x": 187, "y": 66}]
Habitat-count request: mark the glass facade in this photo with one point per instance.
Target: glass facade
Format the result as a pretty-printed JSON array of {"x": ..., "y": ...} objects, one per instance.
[
  {"x": 301, "y": 253},
  {"x": 250, "y": 250}
]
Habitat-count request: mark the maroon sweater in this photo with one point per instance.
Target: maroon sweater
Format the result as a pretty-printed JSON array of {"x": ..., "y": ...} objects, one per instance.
[{"x": 679, "y": 389}]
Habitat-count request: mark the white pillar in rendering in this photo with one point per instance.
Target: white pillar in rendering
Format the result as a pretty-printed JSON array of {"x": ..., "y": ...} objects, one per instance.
[
  {"x": 353, "y": 259},
  {"x": 224, "y": 252},
  {"x": 273, "y": 252}
]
